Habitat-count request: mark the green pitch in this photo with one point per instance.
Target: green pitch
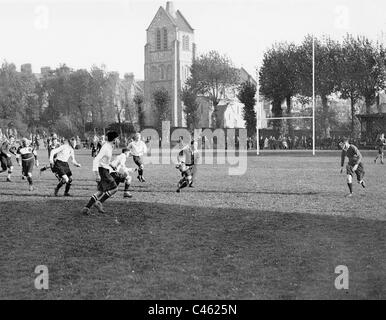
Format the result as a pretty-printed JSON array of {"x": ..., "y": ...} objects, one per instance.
[{"x": 278, "y": 231}]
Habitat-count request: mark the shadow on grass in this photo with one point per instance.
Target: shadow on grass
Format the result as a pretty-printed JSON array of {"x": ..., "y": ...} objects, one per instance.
[
  {"x": 156, "y": 190},
  {"x": 159, "y": 251}
]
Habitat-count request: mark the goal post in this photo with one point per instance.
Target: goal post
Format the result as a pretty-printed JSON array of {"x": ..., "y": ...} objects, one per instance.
[{"x": 258, "y": 107}]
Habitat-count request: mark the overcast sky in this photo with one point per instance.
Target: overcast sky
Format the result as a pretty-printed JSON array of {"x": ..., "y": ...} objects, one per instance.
[{"x": 81, "y": 33}]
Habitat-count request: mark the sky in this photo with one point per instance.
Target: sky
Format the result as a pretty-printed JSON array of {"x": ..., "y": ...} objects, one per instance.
[{"x": 81, "y": 33}]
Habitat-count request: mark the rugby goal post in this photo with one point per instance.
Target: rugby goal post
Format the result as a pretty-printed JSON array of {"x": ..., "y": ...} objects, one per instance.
[{"x": 258, "y": 107}]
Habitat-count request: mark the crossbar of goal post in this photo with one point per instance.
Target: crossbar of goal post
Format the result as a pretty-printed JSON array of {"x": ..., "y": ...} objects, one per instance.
[{"x": 283, "y": 118}]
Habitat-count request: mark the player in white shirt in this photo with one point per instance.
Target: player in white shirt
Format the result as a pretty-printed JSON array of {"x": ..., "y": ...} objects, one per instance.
[
  {"x": 138, "y": 149},
  {"x": 102, "y": 169},
  {"x": 60, "y": 166},
  {"x": 121, "y": 173}
]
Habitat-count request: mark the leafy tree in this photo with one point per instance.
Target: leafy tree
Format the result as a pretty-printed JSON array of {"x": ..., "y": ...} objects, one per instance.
[
  {"x": 350, "y": 75},
  {"x": 372, "y": 70},
  {"x": 101, "y": 97},
  {"x": 138, "y": 101},
  {"x": 279, "y": 77},
  {"x": 189, "y": 98},
  {"x": 327, "y": 77},
  {"x": 246, "y": 95},
  {"x": 161, "y": 102},
  {"x": 79, "y": 86},
  {"x": 362, "y": 71},
  {"x": 18, "y": 100},
  {"x": 56, "y": 86},
  {"x": 213, "y": 74}
]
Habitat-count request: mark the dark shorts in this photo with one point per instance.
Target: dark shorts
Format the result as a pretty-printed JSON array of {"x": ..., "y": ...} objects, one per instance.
[
  {"x": 6, "y": 162},
  {"x": 107, "y": 180},
  {"x": 138, "y": 160},
  {"x": 187, "y": 173},
  {"x": 380, "y": 150},
  {"x": 27, "y": 166},
  {"x": 61, "y": 169},
  {"x": 360, "y": 172},
  {"x": 119, "y": 178}
]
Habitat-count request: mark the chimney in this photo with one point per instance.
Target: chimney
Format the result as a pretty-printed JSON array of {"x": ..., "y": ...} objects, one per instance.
[
  {"x": 170, "y": 8},
  {"x": 26, "y": 68},
  {"x": 45, "y": 71}
]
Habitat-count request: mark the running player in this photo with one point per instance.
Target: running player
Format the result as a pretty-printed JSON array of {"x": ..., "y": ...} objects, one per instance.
[
  {"x": 121, "y": 173},
  {"x": 7, "y": 149},
  {"x": 107, "y": 185},
  {"x": 138, "y": 149},
  {"x": 354, "y": 164},
  {"x": 52, "y": 143},
  {"x": 186, "y": 173},
  {"x": 60, "y": 166},
  {"x": 190, "y": 156},
  {"x": 27, "y": 153},
  {"x": 381, "y": 144}
]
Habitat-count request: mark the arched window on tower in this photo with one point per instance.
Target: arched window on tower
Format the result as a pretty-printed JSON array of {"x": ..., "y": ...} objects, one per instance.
[
  {"x": 169, "y": 72},
  {"x": 165, "y": 38},
  {"x": 162, "y": 69},
  {"x": 185, "y": 43},
  {"x": 154, "y": 73},
  {"x": 158, "y": 39}
]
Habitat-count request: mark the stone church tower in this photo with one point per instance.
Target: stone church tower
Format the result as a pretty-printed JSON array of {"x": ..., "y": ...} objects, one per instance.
[{"x": 169, "y": 52}]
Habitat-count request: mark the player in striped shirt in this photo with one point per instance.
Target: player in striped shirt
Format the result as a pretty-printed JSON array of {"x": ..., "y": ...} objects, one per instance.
[
  {"x": 26, "y": 154},
  {"x": 354, "y": 165},
  {"x": 7, "y": 149}
]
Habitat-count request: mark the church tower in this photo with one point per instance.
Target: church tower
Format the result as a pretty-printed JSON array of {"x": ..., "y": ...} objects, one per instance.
[{"x": 169, "y": 53}]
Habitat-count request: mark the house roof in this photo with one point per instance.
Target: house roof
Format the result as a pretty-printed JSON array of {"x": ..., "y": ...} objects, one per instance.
[{"x": 245, "y": 76}]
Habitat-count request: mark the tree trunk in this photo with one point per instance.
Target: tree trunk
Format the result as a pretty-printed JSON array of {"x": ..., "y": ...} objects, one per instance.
[
  {"x": 277, "y": 112},
  {"x": 325, "y": 120},
  {"x": 289, "y": 121},
  {"x": 378, "y": 102},
  {"x": 215, "y": 117},
  {"x": 369, "y": 102},
  {"x": 352, "y": 115}
]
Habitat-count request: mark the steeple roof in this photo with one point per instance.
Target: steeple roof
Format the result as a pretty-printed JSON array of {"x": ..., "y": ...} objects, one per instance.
[{"x": 177, "y": 19}]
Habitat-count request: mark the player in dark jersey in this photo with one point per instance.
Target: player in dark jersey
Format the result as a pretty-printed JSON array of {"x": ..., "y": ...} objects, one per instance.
[
  {"x": 7, "y": 148},
  {"x": 381, "y": 143},
  {"x": 26, "y": 154},
  {"x": 354, "y": 165},
  {"x": 187, "y": 164},
  {"x": 186, "y": 173},
  {"x": 190, "y": 156}
]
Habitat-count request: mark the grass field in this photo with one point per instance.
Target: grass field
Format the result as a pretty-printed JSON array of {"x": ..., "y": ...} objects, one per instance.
[{"x": 277, "y": 232}]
